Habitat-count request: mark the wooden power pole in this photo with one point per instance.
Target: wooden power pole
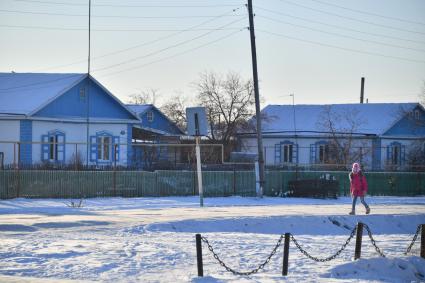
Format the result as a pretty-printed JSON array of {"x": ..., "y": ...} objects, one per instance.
[{"x": 257, "y": 99}]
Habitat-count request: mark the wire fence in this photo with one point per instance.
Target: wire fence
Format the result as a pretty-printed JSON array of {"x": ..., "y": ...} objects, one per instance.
[{"x": 104, "y": 154}]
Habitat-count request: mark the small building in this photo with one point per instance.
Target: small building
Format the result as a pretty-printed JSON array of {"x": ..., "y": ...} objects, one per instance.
[
  {"x": 156, "y": 137},
  {"x": 382, "y": 136},
  {"x": 61, "y": 119}
]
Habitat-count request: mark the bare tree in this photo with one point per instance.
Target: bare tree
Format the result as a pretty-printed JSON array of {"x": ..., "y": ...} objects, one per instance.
[
  {"x": 175, "y": 110},
  {"x": 148, "y": 96},
  {"x": 229, "y": 103},
  {"x": 341, "y": 130}
]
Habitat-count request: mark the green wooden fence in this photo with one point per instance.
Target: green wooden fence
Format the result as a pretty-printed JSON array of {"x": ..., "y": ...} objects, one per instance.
[{"x": 85, "y": 184}]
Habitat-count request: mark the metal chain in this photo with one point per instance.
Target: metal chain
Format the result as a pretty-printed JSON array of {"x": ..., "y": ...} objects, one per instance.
[
  {"x": 353, "y": 232},
  {"x": 378, "y": 250},
  {"x": 261, "y": 266},
  {"x": 413, "y": 240}
]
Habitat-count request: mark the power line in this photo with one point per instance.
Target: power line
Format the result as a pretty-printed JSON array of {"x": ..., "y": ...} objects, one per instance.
[
  {"x": 128, "y": 6},
  {"x": 175, "y": 55},
  {"x": 343, "y": 48},
  {"x": 146, "y": 43},
  {"x": 345, "y": 36},
  {"x": 168, "y": 47},
  {"x": 368, "y": 13},
  {"x": 108, "y": 30},
  {"x": 351, "y": 18},
  {"x": 337, "y": 27},
  {"x": 40, "y": 83},
  {"x": 111, "y": 16}
]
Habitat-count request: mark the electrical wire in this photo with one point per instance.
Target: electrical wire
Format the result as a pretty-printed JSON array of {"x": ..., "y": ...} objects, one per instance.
[
  {"x": 168, "y": 47},
  {"x": 106, "y": 30},
  {"x": 111, "y": 16},
  {"x": 144, "y": 43},
  {"x": 336, "y": 26},
  {"x": 369, "y": 13},
  {"x": 351, "y": 18},
  {"x": 345, "y": 36},
  {"x": 175, "y": 55},
  {"x": 39, "y": 83},
  {"x": 342, "y": 48},
  {"x": 128, "y": 6}
]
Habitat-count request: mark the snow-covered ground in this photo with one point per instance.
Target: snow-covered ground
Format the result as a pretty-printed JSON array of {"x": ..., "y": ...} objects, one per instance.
[{"x": 153, "y": 239}]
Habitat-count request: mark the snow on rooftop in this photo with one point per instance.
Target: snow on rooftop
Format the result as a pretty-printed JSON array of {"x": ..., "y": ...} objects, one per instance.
[
  {"x": 138, "y": 108},
  {"x": 371, "y": 118},
  {"x": 22, "y": 93}
]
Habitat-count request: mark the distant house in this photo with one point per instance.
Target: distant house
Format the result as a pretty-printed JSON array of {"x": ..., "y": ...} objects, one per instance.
[
  {"x": 59, "y": 118},
  {"x": 154, "y": 125},
  {"x": 379, "y": 135},
  {"x": 155, "y": 137}
]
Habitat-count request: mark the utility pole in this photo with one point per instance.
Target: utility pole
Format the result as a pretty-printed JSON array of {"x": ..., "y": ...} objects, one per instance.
[
  {"x": 257, "y": 99},
  {"x": 87, "y": 94}
]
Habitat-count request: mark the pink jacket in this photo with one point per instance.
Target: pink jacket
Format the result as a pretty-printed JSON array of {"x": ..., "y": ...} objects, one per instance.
[{"x": 358, "y": 184}]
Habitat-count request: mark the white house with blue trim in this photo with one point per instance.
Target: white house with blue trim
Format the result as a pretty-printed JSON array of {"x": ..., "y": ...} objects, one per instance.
[
  {"x": 49, "y": 117},
  {"x": 383, "y": 134}
]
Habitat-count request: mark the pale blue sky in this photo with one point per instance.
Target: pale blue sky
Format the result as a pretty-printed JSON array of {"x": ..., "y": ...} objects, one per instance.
[{"x": 317, "y": 49}]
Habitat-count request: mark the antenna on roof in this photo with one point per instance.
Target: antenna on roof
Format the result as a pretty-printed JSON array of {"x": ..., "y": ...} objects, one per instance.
[{"x": 362, "y": 91}]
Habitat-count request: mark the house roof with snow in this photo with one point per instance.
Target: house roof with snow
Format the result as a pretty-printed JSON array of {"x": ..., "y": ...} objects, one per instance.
[
  {"x": 369, "y": 118},
  {"x": 157, "y": 122},
  {"x": 56, "y": 95}
]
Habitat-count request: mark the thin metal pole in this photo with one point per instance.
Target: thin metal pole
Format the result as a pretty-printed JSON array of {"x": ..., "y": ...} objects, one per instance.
[
  {"x": 257, "y": 99},
  {"x": 88, "y": 90},
  {"x": 199, "y": 171}
]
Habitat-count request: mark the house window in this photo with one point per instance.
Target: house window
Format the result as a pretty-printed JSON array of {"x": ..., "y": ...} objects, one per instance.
[
  {"x": 103, "y": 148},
  {"x": 53, "y": 146},
  {"x": 323, "y": 151},
  {"x": 395, "y": 153},
  {"x": 82, "y": 94},
  {"x": 287, "y": 153},
  {"x": 417, "y": 115},
  {"x": 149, "y": 116}
]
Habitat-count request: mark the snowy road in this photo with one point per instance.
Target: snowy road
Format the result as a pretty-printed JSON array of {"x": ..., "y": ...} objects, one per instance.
[{"x": 152, "y": 239}]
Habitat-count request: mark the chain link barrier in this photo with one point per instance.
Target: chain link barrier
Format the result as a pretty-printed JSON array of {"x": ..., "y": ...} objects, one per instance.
[
  {"x": 303, "y": 251},
  {"x": 413, "y": 240},
  {"x": 261, "y": 266},
  {"x": 369, "y": 232}
]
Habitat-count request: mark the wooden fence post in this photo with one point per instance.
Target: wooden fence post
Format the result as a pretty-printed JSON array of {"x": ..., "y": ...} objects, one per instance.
[
  {"x": 199, "y": 255},
  {"x": 286, "y": 254},
  {"x": 359, "y": 235}
]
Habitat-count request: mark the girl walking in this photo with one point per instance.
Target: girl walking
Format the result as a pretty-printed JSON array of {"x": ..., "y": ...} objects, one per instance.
[{"x": 358, "y": 188}]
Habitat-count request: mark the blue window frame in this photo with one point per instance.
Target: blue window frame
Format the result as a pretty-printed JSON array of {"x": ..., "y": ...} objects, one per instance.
[
  {"x": 319, "y": 152},
  {"x": 102, "y": 148},
  {"x": 396, "y": 153},
  {"x": 53, "y": 147},
  {"x": 286, "y": 152}
]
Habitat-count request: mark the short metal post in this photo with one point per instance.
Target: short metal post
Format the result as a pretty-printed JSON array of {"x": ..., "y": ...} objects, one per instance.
[
  {"x": 422, "y": 240},
  {"x": 199, "y": 255},
  {"x": 286, "y": 254},
  {"x": 359, "y": 235}
]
